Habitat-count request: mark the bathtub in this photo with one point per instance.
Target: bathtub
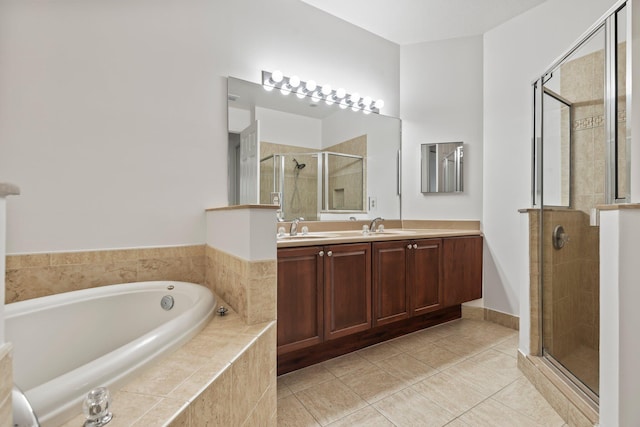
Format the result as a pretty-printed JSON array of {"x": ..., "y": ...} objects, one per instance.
[{"x": 66, "y": 344}]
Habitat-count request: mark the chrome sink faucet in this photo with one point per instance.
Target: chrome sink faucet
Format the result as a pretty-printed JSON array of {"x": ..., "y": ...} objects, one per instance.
[
  {"x": 374, "y": 224},
  {"x": 293, "y": 231}
]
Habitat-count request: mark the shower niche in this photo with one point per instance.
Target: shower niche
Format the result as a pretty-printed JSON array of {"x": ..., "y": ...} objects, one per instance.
[{"x": 308, "y": 184}]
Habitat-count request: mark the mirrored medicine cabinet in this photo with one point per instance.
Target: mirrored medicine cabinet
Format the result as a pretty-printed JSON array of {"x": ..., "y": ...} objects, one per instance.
[{"x": 442, "y": 167}]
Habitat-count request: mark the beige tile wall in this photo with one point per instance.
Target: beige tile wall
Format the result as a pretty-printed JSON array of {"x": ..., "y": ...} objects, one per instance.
[
  {"x": 36, "y": 275},
  {"x": 300, "y": 185},
  {"x": 493, "y": 316},
  {"x": 570, "y": 302},
  {"x": 6, "y": 384},
  {"x": 249, "y": 287}
]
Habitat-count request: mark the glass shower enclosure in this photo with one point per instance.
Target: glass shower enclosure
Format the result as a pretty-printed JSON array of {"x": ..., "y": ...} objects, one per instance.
[
  {"x": 308, "y": 185},
  {"x": 580, "y": 151}
]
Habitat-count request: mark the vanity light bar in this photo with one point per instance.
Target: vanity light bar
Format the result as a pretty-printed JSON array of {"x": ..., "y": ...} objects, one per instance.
[{"x": 340, "y": 97}]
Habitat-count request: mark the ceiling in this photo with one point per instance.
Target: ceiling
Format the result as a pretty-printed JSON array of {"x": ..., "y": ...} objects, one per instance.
[{"x": 415, "y": 21}]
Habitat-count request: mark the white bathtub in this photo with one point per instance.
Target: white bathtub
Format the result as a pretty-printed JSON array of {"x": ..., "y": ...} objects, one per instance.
[{"x": 64, "y": 345}]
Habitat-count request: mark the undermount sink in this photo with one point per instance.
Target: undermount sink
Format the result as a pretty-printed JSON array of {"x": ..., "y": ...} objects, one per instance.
[
  {"x": 394, "y": 232},
  {"x": 308, "y": 236}
]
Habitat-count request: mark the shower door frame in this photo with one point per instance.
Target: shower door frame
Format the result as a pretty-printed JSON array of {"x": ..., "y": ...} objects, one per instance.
[{"x": 609, "y": 22}]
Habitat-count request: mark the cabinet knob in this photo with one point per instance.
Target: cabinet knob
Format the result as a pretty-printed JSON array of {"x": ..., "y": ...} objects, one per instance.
[
  {"x": 415, "y": 246},
  {"x": 321, "y": 253},
  {"x": 409, "y": 246},
  {"x": 329, "y": 253}
]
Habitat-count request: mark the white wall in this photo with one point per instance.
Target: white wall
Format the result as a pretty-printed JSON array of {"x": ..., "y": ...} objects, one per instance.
[
  {"x": 382, "y": 152},
  {"x": 441, "y": 101},
  {"x": 113, "y": 113},
  {"x": 619, "y": 318},
  {"x": 515, "y": 53},
  {"x": 279, "y": 127}
]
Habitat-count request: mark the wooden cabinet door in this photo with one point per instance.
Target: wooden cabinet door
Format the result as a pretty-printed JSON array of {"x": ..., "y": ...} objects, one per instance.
[
  {"x": 462, "y": 269},
  {"x": 300, "y": 298},
  {"x": 347, "y": 289},
  {"x": 391, "y": 293},
  {"x": 424, "y": 270}
]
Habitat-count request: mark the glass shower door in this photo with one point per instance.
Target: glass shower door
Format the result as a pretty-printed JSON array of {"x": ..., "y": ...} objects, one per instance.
[{"x": 573, "y": 153}]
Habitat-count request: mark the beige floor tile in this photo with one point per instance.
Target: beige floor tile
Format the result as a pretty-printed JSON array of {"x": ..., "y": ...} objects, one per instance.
[
  {"x": 291, "y": 413},
  {"x": 523, "y": 397},
  {"x": 379, "y": 352},
  {"x": 373, "y": 384},
  {"x": 438, "y": 357},
  {"x": 410, "y": 409},
  {"x": 494, "y": 414},
  {"x": 483, "y": 380},
  {"x": 330, "y": 401},
  {"x": 407, "y": 368},
  {"x": 451, "y": 393},
  {"x": 346, "y": 364},
  {"x": 283, "y": 390},
  {"x": 414, "y": 342},
  {"x": 368, "y": 417},
  {"x": 498, "y": 362},
  {"x": 464, "y": 345},
  {"x": 457, "y": 423},
  {"x": 306, "y": 377},
  {"x": 508, "y": 346}
]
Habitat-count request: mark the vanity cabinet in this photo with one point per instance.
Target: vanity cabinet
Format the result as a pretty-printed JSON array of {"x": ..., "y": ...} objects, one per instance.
[
  {"x": 462, "y": 269},
  {"x": 406, "y": 279},
  {"x": 300, "y": 298},
  {"x": 347, "y": 289},
  {"x": 324, "y": 292},
  {"x": 338, "y": 298}
]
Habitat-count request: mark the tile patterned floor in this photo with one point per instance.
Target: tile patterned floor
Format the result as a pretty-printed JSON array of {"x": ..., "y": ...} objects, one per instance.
[{"x": 460, "y": 374}]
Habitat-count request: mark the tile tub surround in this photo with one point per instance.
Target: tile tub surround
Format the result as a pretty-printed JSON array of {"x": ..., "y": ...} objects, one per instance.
[
  {"x": 36, "y": 275},
  {"x": 225, "y": 375},
  {"x": 6, "y": 381},
  {"x": 250, "y": 287}
]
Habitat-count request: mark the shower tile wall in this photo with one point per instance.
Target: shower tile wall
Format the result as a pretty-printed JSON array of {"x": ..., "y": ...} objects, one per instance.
[
  {"x": 35, "y": 275},
  {"x": 347, "y": 177},
  {"x": 571, "y": 294},
  {"x": 582, "y": 83},
  {"x": 304, "y": 203}
]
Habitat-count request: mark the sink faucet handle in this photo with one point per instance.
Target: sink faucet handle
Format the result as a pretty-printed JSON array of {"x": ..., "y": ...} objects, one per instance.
[
  {"x": 293, "y": 231},
  {"x": 374, "y": 223}
]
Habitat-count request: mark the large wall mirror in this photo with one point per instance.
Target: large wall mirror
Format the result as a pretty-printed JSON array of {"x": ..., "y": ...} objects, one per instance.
[
  {"x": 442, "y": 167},
  {"x": 317, "y": 161}
]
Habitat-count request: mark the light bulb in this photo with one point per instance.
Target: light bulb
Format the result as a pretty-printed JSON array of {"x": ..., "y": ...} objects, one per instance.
[
  {"x": 285, "y": 90},
  {"x": 354, "y": 98},
  {"x": 277, "y": 76},
  {"x": 316, "y": 96},
  {"x": 341, "y": 93},
  {"x": 366, "y": 110},
  {"x": 326, "y": 90},
  {"x": 379, "y": 104},
  {"x": 294, "y": 81},
  {"x": 343, "y": 104},
  {"x": 366, "y": 102},
  {"x": 300, "y": 93},
  {"x": 329, "y": 100},
  {"x": 267, "y": 86},
  {"x": 311, "y": 86}
]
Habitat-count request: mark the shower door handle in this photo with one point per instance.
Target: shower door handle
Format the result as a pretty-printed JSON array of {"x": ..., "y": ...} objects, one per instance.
[{"x": 559, "y": 237}]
